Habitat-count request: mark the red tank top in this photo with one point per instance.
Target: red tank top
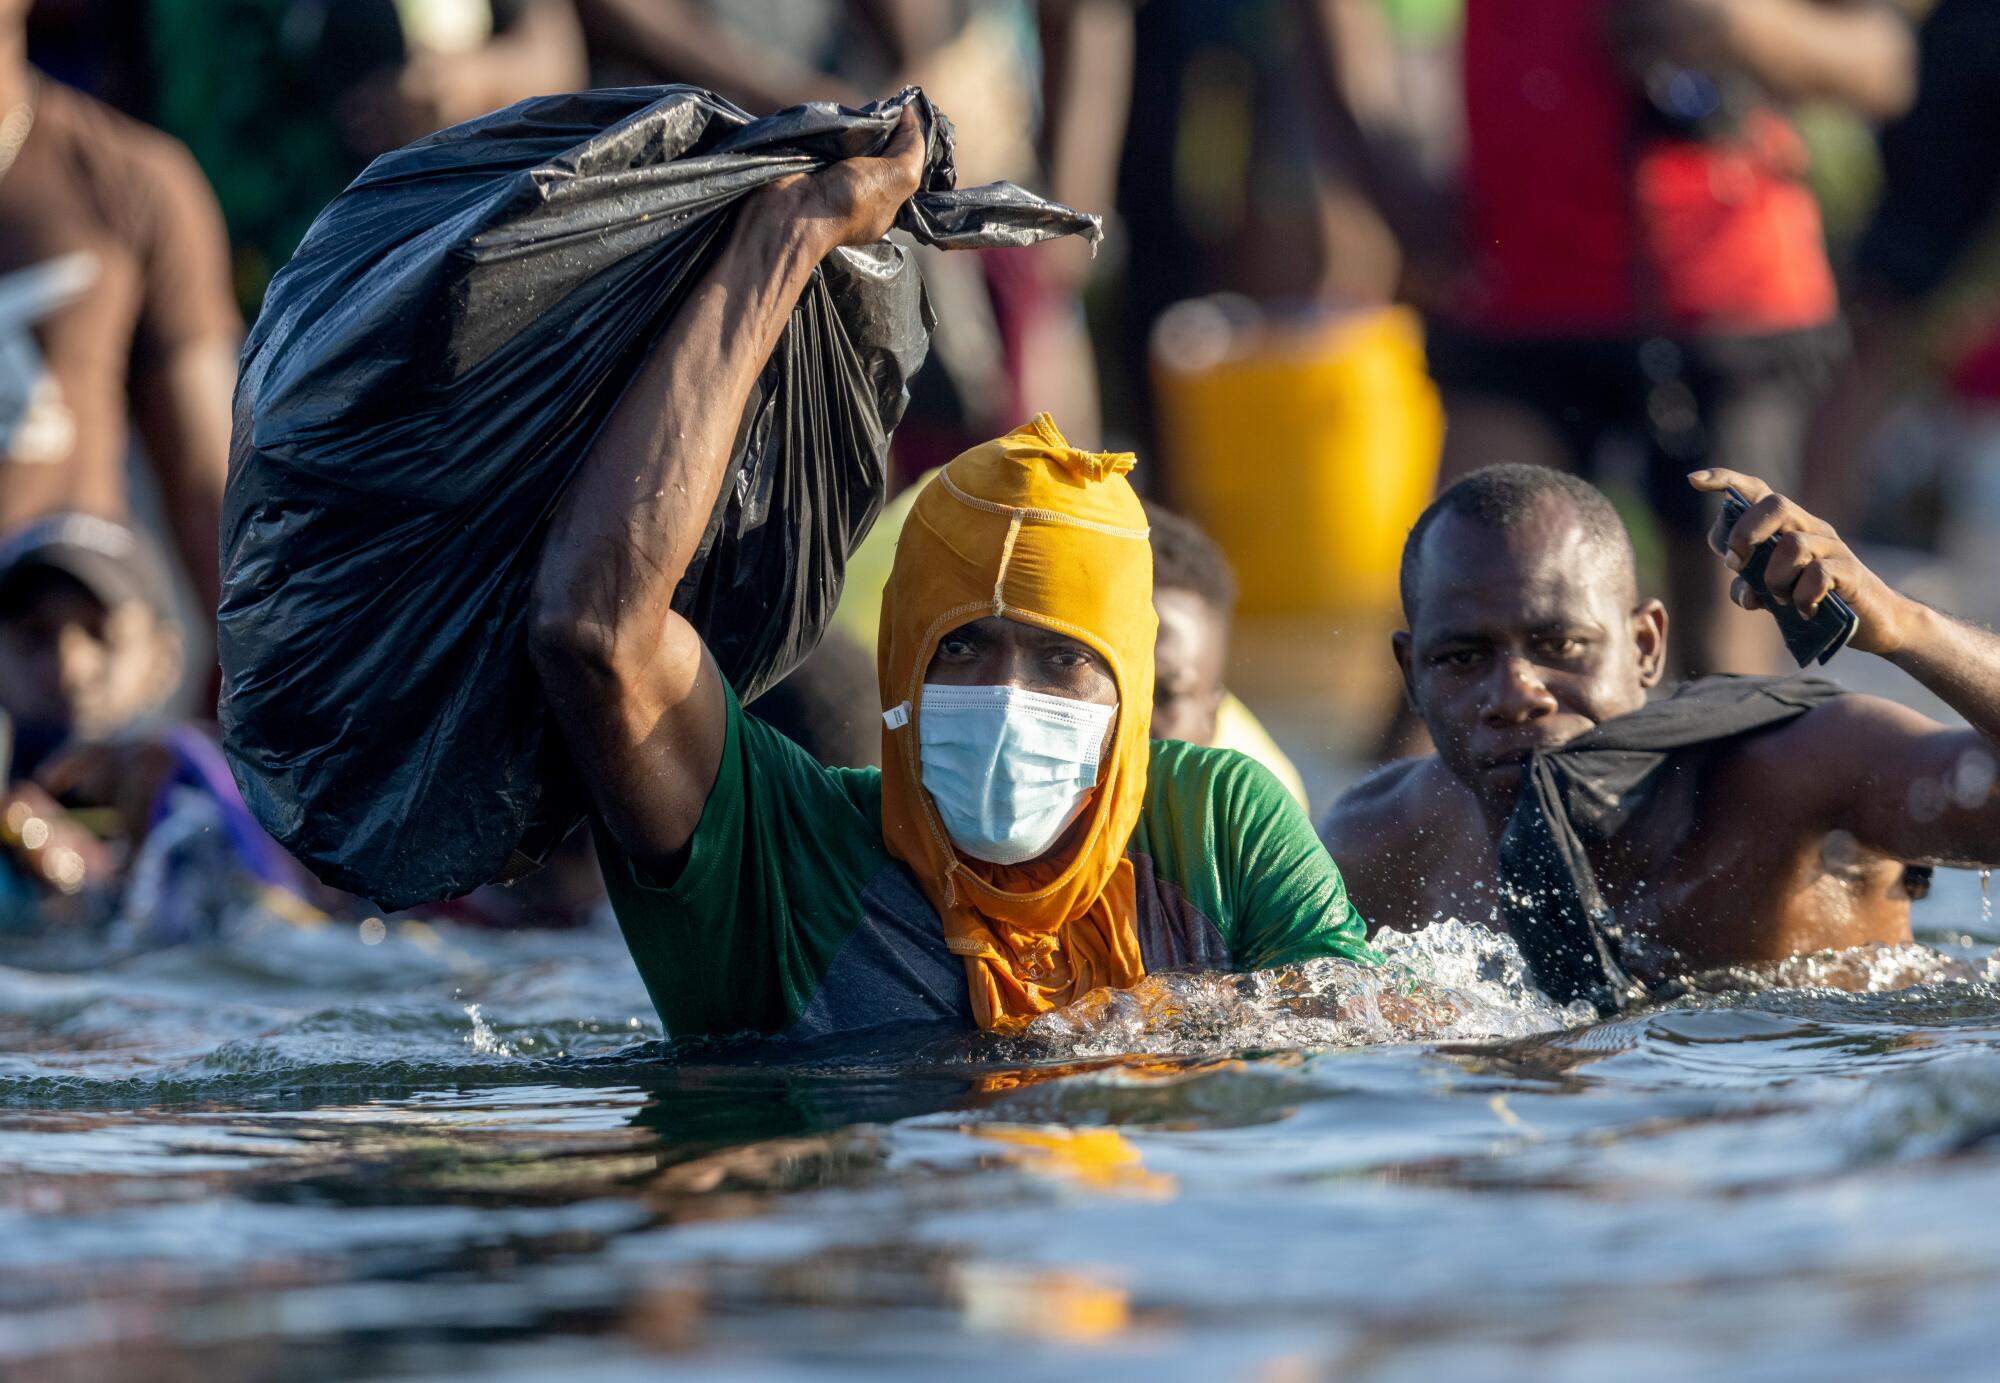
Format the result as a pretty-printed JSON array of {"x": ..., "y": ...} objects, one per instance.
[{"x": 1584, "y": 223}]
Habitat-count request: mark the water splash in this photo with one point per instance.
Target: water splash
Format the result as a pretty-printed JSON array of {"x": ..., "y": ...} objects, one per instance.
[
  {"x": 483, "y": 1039},
  {"x": 1875, "y": 969},
  {"x": 1451, "y": 981}
]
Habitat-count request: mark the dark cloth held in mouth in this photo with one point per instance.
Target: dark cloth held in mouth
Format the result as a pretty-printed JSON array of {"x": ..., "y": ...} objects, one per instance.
[{"x": 1585, "y": 793}]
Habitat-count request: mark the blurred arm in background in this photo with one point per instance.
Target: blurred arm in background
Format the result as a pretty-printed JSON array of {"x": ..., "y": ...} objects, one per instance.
[
  {"x": 183, "y": 362},
  {"x": 181, "y": 405},
  {"x": 1086, "y": 96},
  {"x": 1940, "y": 189},
  {"x": 683, "y": 41},
  {"x": 538, "y": 53},
  {"x": 1369, "y": 152},
  {"x": 1859, "y": 53}
]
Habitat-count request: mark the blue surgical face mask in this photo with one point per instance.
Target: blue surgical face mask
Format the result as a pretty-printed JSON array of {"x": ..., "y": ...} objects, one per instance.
[{"x": 1008, "y": 769}]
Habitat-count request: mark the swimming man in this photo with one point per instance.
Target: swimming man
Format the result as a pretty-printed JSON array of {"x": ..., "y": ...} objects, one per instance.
[{"x": 1739, "y": 820}]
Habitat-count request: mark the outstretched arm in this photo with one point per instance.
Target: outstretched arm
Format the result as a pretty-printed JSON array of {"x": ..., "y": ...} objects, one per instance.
[
  {"x": 636, "y": 694},
  {"x": 1904, "y": 784}
]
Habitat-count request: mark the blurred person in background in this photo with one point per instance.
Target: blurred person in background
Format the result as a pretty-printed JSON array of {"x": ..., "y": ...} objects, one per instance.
[
  {"x": 1923, "y": 304},
  {"x": 1646, "y": 260},
  {"x": 827, "y": 705},
  {"x": 108, "y": 806},
  {"x": 283, "y": 102},
  {"x": 1251, "y": 161},
  {"x": 1027, "y": 80},
  {"x": 115, "y": 309},
  {"x": 1194, "y": 595}
]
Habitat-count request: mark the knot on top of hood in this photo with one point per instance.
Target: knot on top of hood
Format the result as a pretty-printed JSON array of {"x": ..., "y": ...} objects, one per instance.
[{"x": 1090, "y": 465}]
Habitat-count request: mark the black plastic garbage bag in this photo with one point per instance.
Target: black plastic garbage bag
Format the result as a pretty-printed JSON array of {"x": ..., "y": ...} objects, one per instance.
[{"x": 424, "y": 379}]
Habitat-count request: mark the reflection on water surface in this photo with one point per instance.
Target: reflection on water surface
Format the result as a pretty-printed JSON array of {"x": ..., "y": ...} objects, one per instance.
[{"x": 459, "y": 1156}]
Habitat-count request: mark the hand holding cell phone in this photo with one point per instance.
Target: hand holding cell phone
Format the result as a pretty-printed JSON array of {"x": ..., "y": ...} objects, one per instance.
[{"x": 1794, "y": 565}]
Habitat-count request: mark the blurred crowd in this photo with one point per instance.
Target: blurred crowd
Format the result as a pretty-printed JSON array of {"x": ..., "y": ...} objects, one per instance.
[{"x": 1356, "y": 248}]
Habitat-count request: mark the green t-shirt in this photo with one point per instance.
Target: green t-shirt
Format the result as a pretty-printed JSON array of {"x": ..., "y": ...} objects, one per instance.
[{"x": 790, "y": 916}]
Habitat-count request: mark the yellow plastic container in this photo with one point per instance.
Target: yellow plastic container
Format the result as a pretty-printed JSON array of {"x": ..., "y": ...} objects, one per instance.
[{"x": 1307, "y": 446}]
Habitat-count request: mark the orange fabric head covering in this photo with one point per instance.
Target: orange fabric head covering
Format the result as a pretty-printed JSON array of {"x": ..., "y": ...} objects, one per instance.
[{"x": 1033, "y": 529}]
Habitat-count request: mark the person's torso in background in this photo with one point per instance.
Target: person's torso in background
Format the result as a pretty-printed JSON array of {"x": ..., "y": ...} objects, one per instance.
[
  {"x": 89, "y": 210},
  {"x": 1219, "y": 176},
  {"x": 1589, "y": 213},
  {"x": 262, "y": 91}
]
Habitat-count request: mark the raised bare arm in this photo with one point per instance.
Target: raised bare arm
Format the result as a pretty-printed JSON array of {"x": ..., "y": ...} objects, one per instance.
[
  {"x": 639, "y": 700},
  {"x": 1901, "y": 782}
]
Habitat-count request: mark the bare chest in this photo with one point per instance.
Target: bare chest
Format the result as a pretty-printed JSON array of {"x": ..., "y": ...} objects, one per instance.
[{"x": 1708, "y": 876}]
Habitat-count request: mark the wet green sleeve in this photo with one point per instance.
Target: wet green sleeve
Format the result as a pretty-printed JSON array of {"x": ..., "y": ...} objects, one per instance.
[
  {"x": 771, "y": 887},
  {"x": 1225, "y": 832},
  {"x": 1288, "y": 902}
]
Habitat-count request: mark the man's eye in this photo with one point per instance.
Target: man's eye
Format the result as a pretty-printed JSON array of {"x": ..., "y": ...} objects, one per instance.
[
  {"x": 1562, "y": 648},
  {"x": 1457, "y": 657},
  {"x": 955, "y": 648}
]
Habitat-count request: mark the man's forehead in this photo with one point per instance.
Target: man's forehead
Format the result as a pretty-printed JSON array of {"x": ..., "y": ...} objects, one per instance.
[{"x": 1545, "y": 570}]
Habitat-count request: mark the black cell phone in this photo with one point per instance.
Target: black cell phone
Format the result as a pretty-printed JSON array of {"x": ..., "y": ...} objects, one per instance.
[{"x": 1817, "y": 638}]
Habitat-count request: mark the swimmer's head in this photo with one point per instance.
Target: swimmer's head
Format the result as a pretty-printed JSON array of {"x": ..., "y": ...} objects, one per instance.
[
  {"x": 1525, "y": 624},
  {"x": 86, "y": 644},
  {"x": 1194, "y": 594}
]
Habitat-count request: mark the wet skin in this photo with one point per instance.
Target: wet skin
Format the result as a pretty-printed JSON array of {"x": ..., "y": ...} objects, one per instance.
[
  {"x": 638, "y": 699},
  {"x": 1776, "y": 844}
]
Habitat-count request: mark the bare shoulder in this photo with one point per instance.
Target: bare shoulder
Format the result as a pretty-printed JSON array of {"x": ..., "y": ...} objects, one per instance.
[
  {"x": 1838, "y": 744},
  {"x": 1901, "y": 782},
  {"x": 1396, "y": 807},
  {"x": 1400, "y": 836}
]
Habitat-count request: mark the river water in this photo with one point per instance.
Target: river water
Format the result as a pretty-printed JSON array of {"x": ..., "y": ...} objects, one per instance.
[{"x": 423, "y": 1153}]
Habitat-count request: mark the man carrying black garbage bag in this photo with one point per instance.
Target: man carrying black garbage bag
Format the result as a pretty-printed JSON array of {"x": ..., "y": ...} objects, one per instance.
[
  {"x": 425, "y": 380},
  {"x": 1025, "y": 842},
  {"x": 1730, "y": 820}
]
